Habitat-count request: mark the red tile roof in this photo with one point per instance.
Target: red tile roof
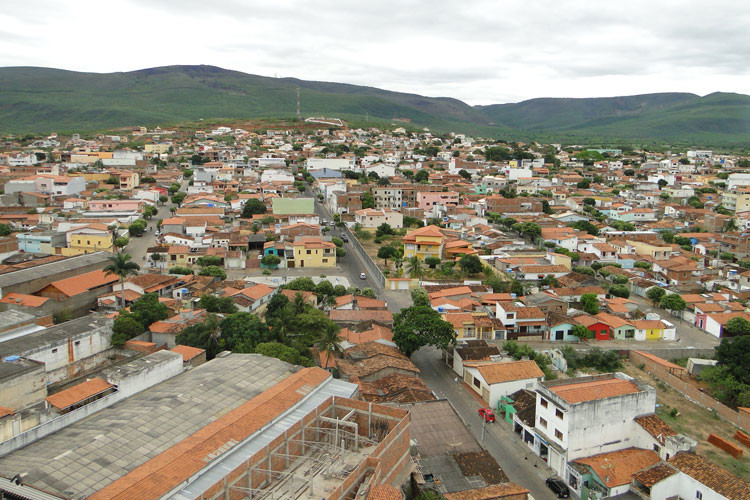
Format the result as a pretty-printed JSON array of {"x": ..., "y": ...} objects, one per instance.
[
  {"x": 187, "y": 351},
  {"x": 78, "y": 393},
  {"x": 82, "y": 283},
  {"x": 498, "y": 373},
  {"x": 617, "y": 467},
  {"x": 593, "y": 390}
]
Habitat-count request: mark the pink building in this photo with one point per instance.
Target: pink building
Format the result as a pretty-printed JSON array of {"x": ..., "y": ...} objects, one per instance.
[
  {"x": 427, "y": 200},
  {"x": 115, "y": 205}
]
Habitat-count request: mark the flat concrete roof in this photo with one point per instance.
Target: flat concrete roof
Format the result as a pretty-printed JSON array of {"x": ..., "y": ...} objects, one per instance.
[
  {"x": 18, "y": 346},
  {"x": 88, "y": 455},
  {"x": 42, "y": 270}
]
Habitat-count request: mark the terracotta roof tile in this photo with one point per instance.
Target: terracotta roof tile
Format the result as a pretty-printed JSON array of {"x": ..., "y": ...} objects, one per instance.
[
  {"x": 618, "y": 467},
  {"x": 490, "y": 492},
  {"x": 187, "y": 351},
  {"x": 500, "y": 372},
  {"x": 717, "y": 478},
  {"x": 84, "y": 282},
  {"x": 78, "y": 393},
  {"x": 593, "y": 390}
]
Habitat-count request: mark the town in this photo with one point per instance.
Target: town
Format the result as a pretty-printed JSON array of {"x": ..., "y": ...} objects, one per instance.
[{"x": 303, "y": 309}]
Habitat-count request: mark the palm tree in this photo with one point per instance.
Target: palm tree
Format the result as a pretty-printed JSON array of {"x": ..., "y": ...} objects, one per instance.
[
  {"x": 330, "y": 341},
  {"x": 284, "y": 323},
  {"x": 414, "y": 266},
  {"x": 120, "y": 265},
  {"x": 299, "y": 303}
]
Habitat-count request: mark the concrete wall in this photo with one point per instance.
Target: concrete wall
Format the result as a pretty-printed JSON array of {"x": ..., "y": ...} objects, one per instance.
[
  {"x": 57, "y": 271},
  {"x": 736, "y": 418},
  {"x": 682, "y": 486},
  {"x": 24, "y": 390}
]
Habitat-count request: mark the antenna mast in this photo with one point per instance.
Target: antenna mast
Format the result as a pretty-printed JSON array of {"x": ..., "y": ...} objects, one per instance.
[{"x": 299, "y": 116}]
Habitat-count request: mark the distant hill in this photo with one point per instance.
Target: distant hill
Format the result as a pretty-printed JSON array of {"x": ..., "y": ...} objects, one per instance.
[{"x": 45, "y": 100}]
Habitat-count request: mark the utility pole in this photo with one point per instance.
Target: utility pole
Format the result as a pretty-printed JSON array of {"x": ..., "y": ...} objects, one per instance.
[{"x": 299, "y": 116}]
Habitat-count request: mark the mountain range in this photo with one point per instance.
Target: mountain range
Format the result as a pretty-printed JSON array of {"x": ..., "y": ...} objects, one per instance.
[{"x": 45, "y": 100}]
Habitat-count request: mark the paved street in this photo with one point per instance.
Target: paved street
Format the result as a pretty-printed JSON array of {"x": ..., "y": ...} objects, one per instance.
[{"x": 516, "y": 459}]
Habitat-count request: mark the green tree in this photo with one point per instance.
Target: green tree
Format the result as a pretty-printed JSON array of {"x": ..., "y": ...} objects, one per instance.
[
  {"x": 463, "y": 173},
  {"x": 242, "y": 332},
  {"x": 384, "y": 229},
  {"x": 214, "y": 304},
  {"x": 470, "y": 264},
  {"x": 368, "y": 200},
  {"x": 431, "y": 261},
  {"x": 422, "y": 176},
  {"x": 283, "y": 352},
  {"x": 137, "y": 227},
  {"x": 121, "y": 266},
  {"x": 385, "y": 253},
  {"x": 180, "y": 270},
  {"x": 147, "y": 309},
  {"x": 420, "y": 298},
  {"x": 271, "y": 261},
  {"x": 590, "y": 303},
  {"x": 208, "y": 260},
  {"x": 330, "y": 341},
  {"x": 337, "y": 241},
  {"x": 149, "y": 211},
  {"x": 305, "y": 284},
  {"x": 655, "y": 294},
  {"x": 214, "y": 271},
  {"x": 178, "y": 198},
  {"x": 734, "y": 354},
  {"x": 738, "y": 326},
  {"x": 584, "y": 225},
  {"x": 673, "y": 303},
  {"x": 278, "y": 301},
  {"x": 324, "y": 288},
  {"x": 125, "y": 327},
  {"x": 582, "y": 332},
  {"x": 121, "y": 242},
  {"x": 414, "y": 267},
  {"x": 418, "y": 326},
  {"x": 163, "y": 199},
  {"x": 4, "y": 230},
  {"x": 203, "y": 335},
  {"x": 252, "y": 207},
  {"x": 619, "y": 291}
]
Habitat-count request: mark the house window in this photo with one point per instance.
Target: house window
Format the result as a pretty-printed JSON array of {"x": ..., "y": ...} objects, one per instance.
[
  {"x": 54, "y": 351},
  {"x": 78, "y": 342},
  {"x": 699, "y": 495},
  {"x": 543, "y": 403},
  {"x": 325, "y": 261},
  {"x": 309, "y": 252},
  {"x": 477, "y": 384},
  {"x": 559, "y": 414},
  {"x": 657, "y": 448},
  {"x": 542, "y": 423},
  {"x": 558, "y": 434}
]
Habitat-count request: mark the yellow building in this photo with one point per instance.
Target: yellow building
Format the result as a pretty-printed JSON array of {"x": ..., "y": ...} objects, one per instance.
[
  {"x": 88, "y": 239},
  {"x": 737, "y": 201},
  {"x": 473, "y": 325},
  {"x": 424, "y": 242},
  {"x": 314, "y": 251},
  {"x": 128, "y": 180},
  {"x": 656, "y": 252},
  {"x": 181, "y": 256},
  {"x": 90, "y": 157}
]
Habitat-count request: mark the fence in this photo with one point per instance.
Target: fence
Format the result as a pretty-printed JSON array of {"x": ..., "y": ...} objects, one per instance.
[
  {"x": 372, "y": 268},
  {"x": 691, "y": 392}
]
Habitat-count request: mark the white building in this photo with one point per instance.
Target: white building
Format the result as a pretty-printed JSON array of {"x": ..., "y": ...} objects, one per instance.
[
  {"x": 494, "y": 379},
  {"x": 330, "y": 163},
  {"x": 370, "y": 217}
]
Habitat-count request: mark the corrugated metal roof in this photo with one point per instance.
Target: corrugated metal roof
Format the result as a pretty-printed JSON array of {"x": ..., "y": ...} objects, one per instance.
[{"x": 218, "y": 469}]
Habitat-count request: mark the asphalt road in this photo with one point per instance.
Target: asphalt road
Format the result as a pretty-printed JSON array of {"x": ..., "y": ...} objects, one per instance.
[
  {"x": 515, "y": 458},
  {"x": 351, "y": 265}
]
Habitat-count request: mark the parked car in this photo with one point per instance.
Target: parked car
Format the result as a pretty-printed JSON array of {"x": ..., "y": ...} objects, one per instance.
[
  {"x": 344, "y": 238},
  {"x": 362, "y": 276},
  {"x": 558, "y": 487},
  {"x": 487, "y": 414},
  {"x": 332, "y": 223}
]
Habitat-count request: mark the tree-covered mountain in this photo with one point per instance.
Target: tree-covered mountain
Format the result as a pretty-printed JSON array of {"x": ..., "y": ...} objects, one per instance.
[{"x": 45, "y": 100}]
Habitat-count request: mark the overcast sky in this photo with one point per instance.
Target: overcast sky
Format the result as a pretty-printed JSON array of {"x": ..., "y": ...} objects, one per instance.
[{"x": 481, "y": 52}]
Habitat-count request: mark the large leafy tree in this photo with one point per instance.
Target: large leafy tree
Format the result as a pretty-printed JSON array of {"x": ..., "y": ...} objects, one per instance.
[
  {"x": 582, "y": 332},
  {"x": 735, "y": 355},
  {"x": 121, "y": 266},
  {"x": 655, "y": 294},
  {"x": 470, "y": 264},
  {"x": 387, "y": 252},
  {"x": 673, "y": 303},
  {"x": 738, "y": 326},
  {"x": 252, "y": 207},
  {"x": 590, "y": 303},
  {"x": 204, "y": 335},
  {"x": 243, "y": 331},
  {"x": 283, "y": 352},
  {"x": 214, "y": 304},
  {"x": 418, "y": 326},
  {"x": 148, "y": 309}
]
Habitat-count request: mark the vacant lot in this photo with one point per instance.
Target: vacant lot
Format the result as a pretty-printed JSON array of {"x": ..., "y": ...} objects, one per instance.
[{"x": 694, "y": 421}]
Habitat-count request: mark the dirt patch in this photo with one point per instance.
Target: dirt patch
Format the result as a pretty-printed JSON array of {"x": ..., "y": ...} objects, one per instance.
[
  {"x": 688, "y": 418},
  {"x": 481, "y": 464}
]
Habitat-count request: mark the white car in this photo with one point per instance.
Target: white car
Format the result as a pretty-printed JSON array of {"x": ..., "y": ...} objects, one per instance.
[{"x": 362, "y": 276}]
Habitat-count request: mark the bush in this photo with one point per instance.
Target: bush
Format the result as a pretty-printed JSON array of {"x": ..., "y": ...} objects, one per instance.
[
  {"x": 180, "y": 270},
  {"x": 214, "y": 271}
]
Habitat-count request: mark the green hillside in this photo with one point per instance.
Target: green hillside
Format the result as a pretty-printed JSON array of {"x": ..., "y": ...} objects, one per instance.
[
  {"x": 46, "y": 100},
  {"x": 42, "y": 99}
]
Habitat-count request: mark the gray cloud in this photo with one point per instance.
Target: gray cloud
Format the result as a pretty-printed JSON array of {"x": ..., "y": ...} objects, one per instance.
[{"x": 480, "y": 51}]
